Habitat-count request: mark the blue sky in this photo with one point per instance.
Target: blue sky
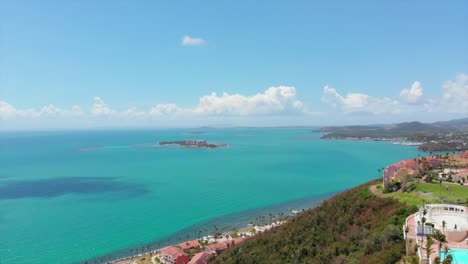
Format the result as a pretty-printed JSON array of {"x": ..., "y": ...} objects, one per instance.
[{"x": 124, "y": 63}]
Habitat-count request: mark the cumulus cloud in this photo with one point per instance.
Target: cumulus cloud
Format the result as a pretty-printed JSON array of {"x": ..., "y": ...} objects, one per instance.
[
  {"x": 454, "y": 97},
  {"x": 359, "y": 103},
  {"x": 100, "y": 108},
  {"x": 275, "y": 100},
  {"x": 192, "y": 41},
  {"x": 50, "y": 110},
  {"x": 132, "y": 112},
  {"x": 7, "y": 110},
  {"x": 164, "y": 110},
  {"x": 77, "y": 111},
  {"x": 412, "y": 95}
]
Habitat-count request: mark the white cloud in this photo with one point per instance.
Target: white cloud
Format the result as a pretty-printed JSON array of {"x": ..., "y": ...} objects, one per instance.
[
  {"x": 7, "y": 110},
  {"x": 50, "y": 110},
  {"x": 132, "y": 112},
  {"x": 359, "y": 103},
  {"x": 192, "y": 41},
  {"x": 76, "y": 111},
  {"x": 164, "y": 110},
  {"x": 275, "y": 100},
  {"x": 412, "y": 95},
  {"x": 454, "y": 97},
  {"x": 100, "y": 108}
]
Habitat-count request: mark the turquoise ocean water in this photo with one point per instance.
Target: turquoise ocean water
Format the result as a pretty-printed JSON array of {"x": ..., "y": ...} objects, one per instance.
[{"x": 61, "y": 204}]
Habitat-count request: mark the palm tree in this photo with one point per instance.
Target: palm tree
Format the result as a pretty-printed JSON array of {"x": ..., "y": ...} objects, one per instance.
[
  {"x": 441, "y": 238},
  {"x": 429, "y": 243},
  {"x": 406, "y": 239},
  {"x": 448, "y": 259},
  {"x": 271, "y": 217},
  {"x": 380, "y": 170},
  {"x": 423, "y": 221},
  {"x": 417, "y": 234},
  {"x": 216, "y": 233}
]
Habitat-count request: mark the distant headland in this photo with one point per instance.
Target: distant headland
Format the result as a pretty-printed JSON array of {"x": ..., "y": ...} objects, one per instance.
[{"x": 431, "y": 137}]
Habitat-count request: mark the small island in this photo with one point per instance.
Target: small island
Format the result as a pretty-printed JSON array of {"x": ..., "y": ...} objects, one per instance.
[{"x": 193, "y": 143}]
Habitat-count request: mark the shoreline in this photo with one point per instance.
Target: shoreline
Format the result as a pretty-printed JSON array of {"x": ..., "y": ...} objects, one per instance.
[
  {"x": 239, "y": 220},
  {"x": 210, "y": 240}
]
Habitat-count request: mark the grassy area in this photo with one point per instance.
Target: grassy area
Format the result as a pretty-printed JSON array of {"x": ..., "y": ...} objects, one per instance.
[
  {"x": 431, "y": 193},
  {"x": 457, "y": 192}
]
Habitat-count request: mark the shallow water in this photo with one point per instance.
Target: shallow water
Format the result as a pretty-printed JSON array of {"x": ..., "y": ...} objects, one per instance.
[
  {"x": 70, "y": 196},
  {"x": 459, "y": 255}
]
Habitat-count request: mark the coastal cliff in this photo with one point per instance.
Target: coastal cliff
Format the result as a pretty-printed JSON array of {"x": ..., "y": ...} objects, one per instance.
[{"x": 352, "y": 227}]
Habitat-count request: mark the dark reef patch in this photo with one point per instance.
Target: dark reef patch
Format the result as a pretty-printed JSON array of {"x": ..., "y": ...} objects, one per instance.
[{"x": 48, "y": 188}]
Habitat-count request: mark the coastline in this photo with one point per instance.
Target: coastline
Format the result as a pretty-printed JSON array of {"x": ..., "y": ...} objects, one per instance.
[
  {"x": 208, "y": 240},
  {"x": 240, "y": 221}
]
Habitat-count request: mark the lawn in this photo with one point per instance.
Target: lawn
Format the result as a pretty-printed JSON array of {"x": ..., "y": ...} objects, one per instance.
[
  {"x": 458, "y": 193},
  {"x": 431, "y": 193}
]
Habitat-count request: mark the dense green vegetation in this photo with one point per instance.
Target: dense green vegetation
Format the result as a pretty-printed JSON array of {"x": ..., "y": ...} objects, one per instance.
[{"x": 352, "y": 227}]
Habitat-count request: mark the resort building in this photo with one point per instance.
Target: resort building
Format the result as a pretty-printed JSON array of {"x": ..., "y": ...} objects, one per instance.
[
  {"x": 189, "y": 244},
  {"x": 174, "y": 255},
  {"x": 400, "y": 170},
  {"x": 200, "y": 258},
  {"x": 195, "y": 142},
  {"x": 450, "y": 220},
  {"x": 216, "y": 248}
]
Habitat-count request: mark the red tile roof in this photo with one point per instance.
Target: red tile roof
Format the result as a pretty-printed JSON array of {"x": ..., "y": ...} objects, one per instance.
[
  {"x": 464, "y": 154},
  {"x": 217, "y": 247},
  {"x": 174, "y": 252},
  {"x": 200, "y": 258},
  {"x": 189, "y": 244}
]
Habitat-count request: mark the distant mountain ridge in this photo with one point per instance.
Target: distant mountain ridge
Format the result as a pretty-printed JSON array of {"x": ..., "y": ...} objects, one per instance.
[
  {"x": 449, "y": 135},
  {"x": 414, "y": 126},
  {"x": 461, "y": 124}
]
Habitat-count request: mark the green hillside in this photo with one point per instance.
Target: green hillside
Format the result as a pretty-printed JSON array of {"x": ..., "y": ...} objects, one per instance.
[{"x": 352, "y": 227}]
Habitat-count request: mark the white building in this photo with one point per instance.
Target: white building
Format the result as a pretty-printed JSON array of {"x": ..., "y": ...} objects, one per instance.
[
  {"x": 195, "y": 142},
  {"x": 451, "y": 219}
]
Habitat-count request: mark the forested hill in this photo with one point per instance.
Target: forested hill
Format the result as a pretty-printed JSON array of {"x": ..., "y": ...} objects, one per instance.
[
  {"x": 352, "y": 227},
  {"x": 439, "y": 136}
]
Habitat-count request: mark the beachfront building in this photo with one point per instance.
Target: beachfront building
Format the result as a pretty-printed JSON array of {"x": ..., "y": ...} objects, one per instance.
[
  {"x": 216, "y": 248},
  {"x": 200, "y": 258},
  {"x": 174, "y": 255},
  {"x": 187, "y": 245},
  {"x": 451, "y": 220},
  {"x": 195, "y": 142}
]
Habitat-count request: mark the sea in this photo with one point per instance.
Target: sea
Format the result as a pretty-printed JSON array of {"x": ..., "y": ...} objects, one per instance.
[{"x": 92, "y": 196}]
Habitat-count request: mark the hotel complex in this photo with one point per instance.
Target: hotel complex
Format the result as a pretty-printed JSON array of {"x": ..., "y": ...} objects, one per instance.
[{"x": 450, "y": 220}]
